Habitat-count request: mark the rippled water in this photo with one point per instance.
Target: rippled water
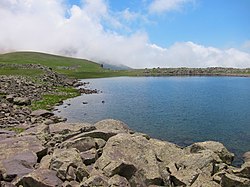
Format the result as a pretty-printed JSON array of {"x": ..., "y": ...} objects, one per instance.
[{"x": 182, "y": 110}]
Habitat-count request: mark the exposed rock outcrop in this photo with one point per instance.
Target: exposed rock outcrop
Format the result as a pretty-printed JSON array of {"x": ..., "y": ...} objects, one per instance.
[{"x": 108, "y": 153}]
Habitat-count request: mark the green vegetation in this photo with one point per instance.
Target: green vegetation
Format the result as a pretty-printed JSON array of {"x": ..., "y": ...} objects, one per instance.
[
  {"x": 22, "y": 72},
  {"x": 72, "y": 67},
  {"x": 49, "y": 100},
  {"x": 17, "y": 130}
]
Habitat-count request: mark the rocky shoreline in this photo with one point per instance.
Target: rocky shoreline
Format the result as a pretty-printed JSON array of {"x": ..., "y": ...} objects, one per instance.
[
  {"x": 108, "y": 153},
  {"x": 49, "y": 152}
]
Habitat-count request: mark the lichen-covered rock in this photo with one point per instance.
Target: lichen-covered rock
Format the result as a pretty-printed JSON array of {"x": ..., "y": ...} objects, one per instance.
[
  {"x": 186, "y": 170},
  {"x": 89, "y": 157},
  {"x": 71, "y": 184},
  {"x": 246, "y": 156},
  {"x": 102, "y": 134},
  {"x": 64, "y": 128},
  {"x": 19, "y": 164},
  {"x": 40, "y": 112},
  {"x": 41, "y": 131},
  {"x": 95, "y": 180},
  {"x": 130, "y": 156},
  {"x": 217, "y": 147},
  {"x": 244, "y": 171},
  {"x": 112, "y": 125},
  {"x": 230, "y": 180},
  {"x": 6, "y": 134},
  {"x": 82, "y": 143},
  {"x": 117, "y": 181},
  {"x": 21, "y": 101},
  {"x": 166, "y": 152},
  {"x": 100, "y": 143},
  {"x": 62, "y": 159},
  {"x": 40, "y": 178},
  {"x": 202, "y": 181},
  {"x": 18, "y": 155}
]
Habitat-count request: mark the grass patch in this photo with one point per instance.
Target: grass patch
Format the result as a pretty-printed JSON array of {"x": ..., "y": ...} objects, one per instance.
[
  {"x": 64, "y": 65},
  {"x": 17, "y": 130},
  {"x": 21, "y": 72},
  {"x": 50, "y": 100}
]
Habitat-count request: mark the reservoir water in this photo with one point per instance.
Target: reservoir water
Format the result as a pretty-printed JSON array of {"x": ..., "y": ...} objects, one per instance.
[{"x": 182, "y": 110}]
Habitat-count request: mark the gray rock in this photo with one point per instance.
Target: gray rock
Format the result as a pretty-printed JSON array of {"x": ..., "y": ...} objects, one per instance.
[
  {"x": 112, "y": 125},
  {"x": 43, "y": 113},
  {"x": 63, "y": 128},
  {"x": 40, "y": 178},
  {"x": 89, "y": 157},
  {"x": 102, "y": 134},
  {"x": 96, "y": 180},
  {"x": 6, "y": 134},
  {"x": 82, "y": 143},
  {"x": 71, "y": 184},
  {"x": 18, "y": 165},
  {"x": 6, "y": 184},
  {"x": 100, "y": 143},
  {"x": 117, "y": 181},
  {"x": 10, "y": 98},
  {"x": 41, "y": 131},
  {"x": 18, "y": 155},
  {"x": 132, "y": 157},
  {"x": 217, "y": 147},
  {"x": 246, "y": 156},
  {"x": 186, "y": 170},
  {"x": 244, "y": 171},
  {"x": 22, "y": 101},
  {"x": 62, "y": 159},
  {"x": 229, "y": 180}
]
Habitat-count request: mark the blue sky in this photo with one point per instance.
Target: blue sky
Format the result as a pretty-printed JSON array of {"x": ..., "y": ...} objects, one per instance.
[
  {"x": 137, "y": 33},
  {"x": 218, "y": 23}
]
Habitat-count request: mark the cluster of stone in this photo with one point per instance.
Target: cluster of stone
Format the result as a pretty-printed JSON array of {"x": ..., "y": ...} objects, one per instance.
[
  {"x": 108, "y": 153},
  {"x": 18, "y": 92}
]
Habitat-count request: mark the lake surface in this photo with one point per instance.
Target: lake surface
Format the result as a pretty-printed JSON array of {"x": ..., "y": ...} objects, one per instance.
[{"x": 182, "y": 110}]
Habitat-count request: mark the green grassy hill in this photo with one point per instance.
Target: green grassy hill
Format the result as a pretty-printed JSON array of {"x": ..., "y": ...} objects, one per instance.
[
  {"x": 72, "y": 67},
  {"x": 69, "y": 66}
]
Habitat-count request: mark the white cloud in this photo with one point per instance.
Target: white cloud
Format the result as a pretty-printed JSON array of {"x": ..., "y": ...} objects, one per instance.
[
  {"x": 159, "y": 6},
  {"x": 41, "y": 25}
]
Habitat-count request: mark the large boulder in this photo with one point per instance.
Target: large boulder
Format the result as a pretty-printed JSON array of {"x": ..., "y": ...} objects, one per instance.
[
  {"x": 186, "y": 170},
  {"x": 132, "y": 157},
  {"x": 41, "y": 131},
  {"x": 64, "y": 128},
  {"x": 112, "y": 125},
  {"x": 66, "y": 162},
  {"x": 230, "y": 180},
  {"x": 40, "y": 178},
  {"x": 217, "y": 147},
  {"x": 166, "y": 152},
  {"x": 18, "y": 155},
  {"x": 82, "y": 143},
  {"x": 6, "y": 134}
]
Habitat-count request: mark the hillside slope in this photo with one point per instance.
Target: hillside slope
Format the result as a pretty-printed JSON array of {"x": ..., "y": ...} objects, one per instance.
[{"x": 69, "y": 66}]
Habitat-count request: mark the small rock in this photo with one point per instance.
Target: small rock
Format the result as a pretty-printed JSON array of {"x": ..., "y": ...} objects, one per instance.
[
  {"x": 246, "y": 156},
  {"x": 43, "y": 113},
  {"x": 89, "y": 157},
  {"x": 22, "y": 101},
  {"x": 118, "y": 180}
]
